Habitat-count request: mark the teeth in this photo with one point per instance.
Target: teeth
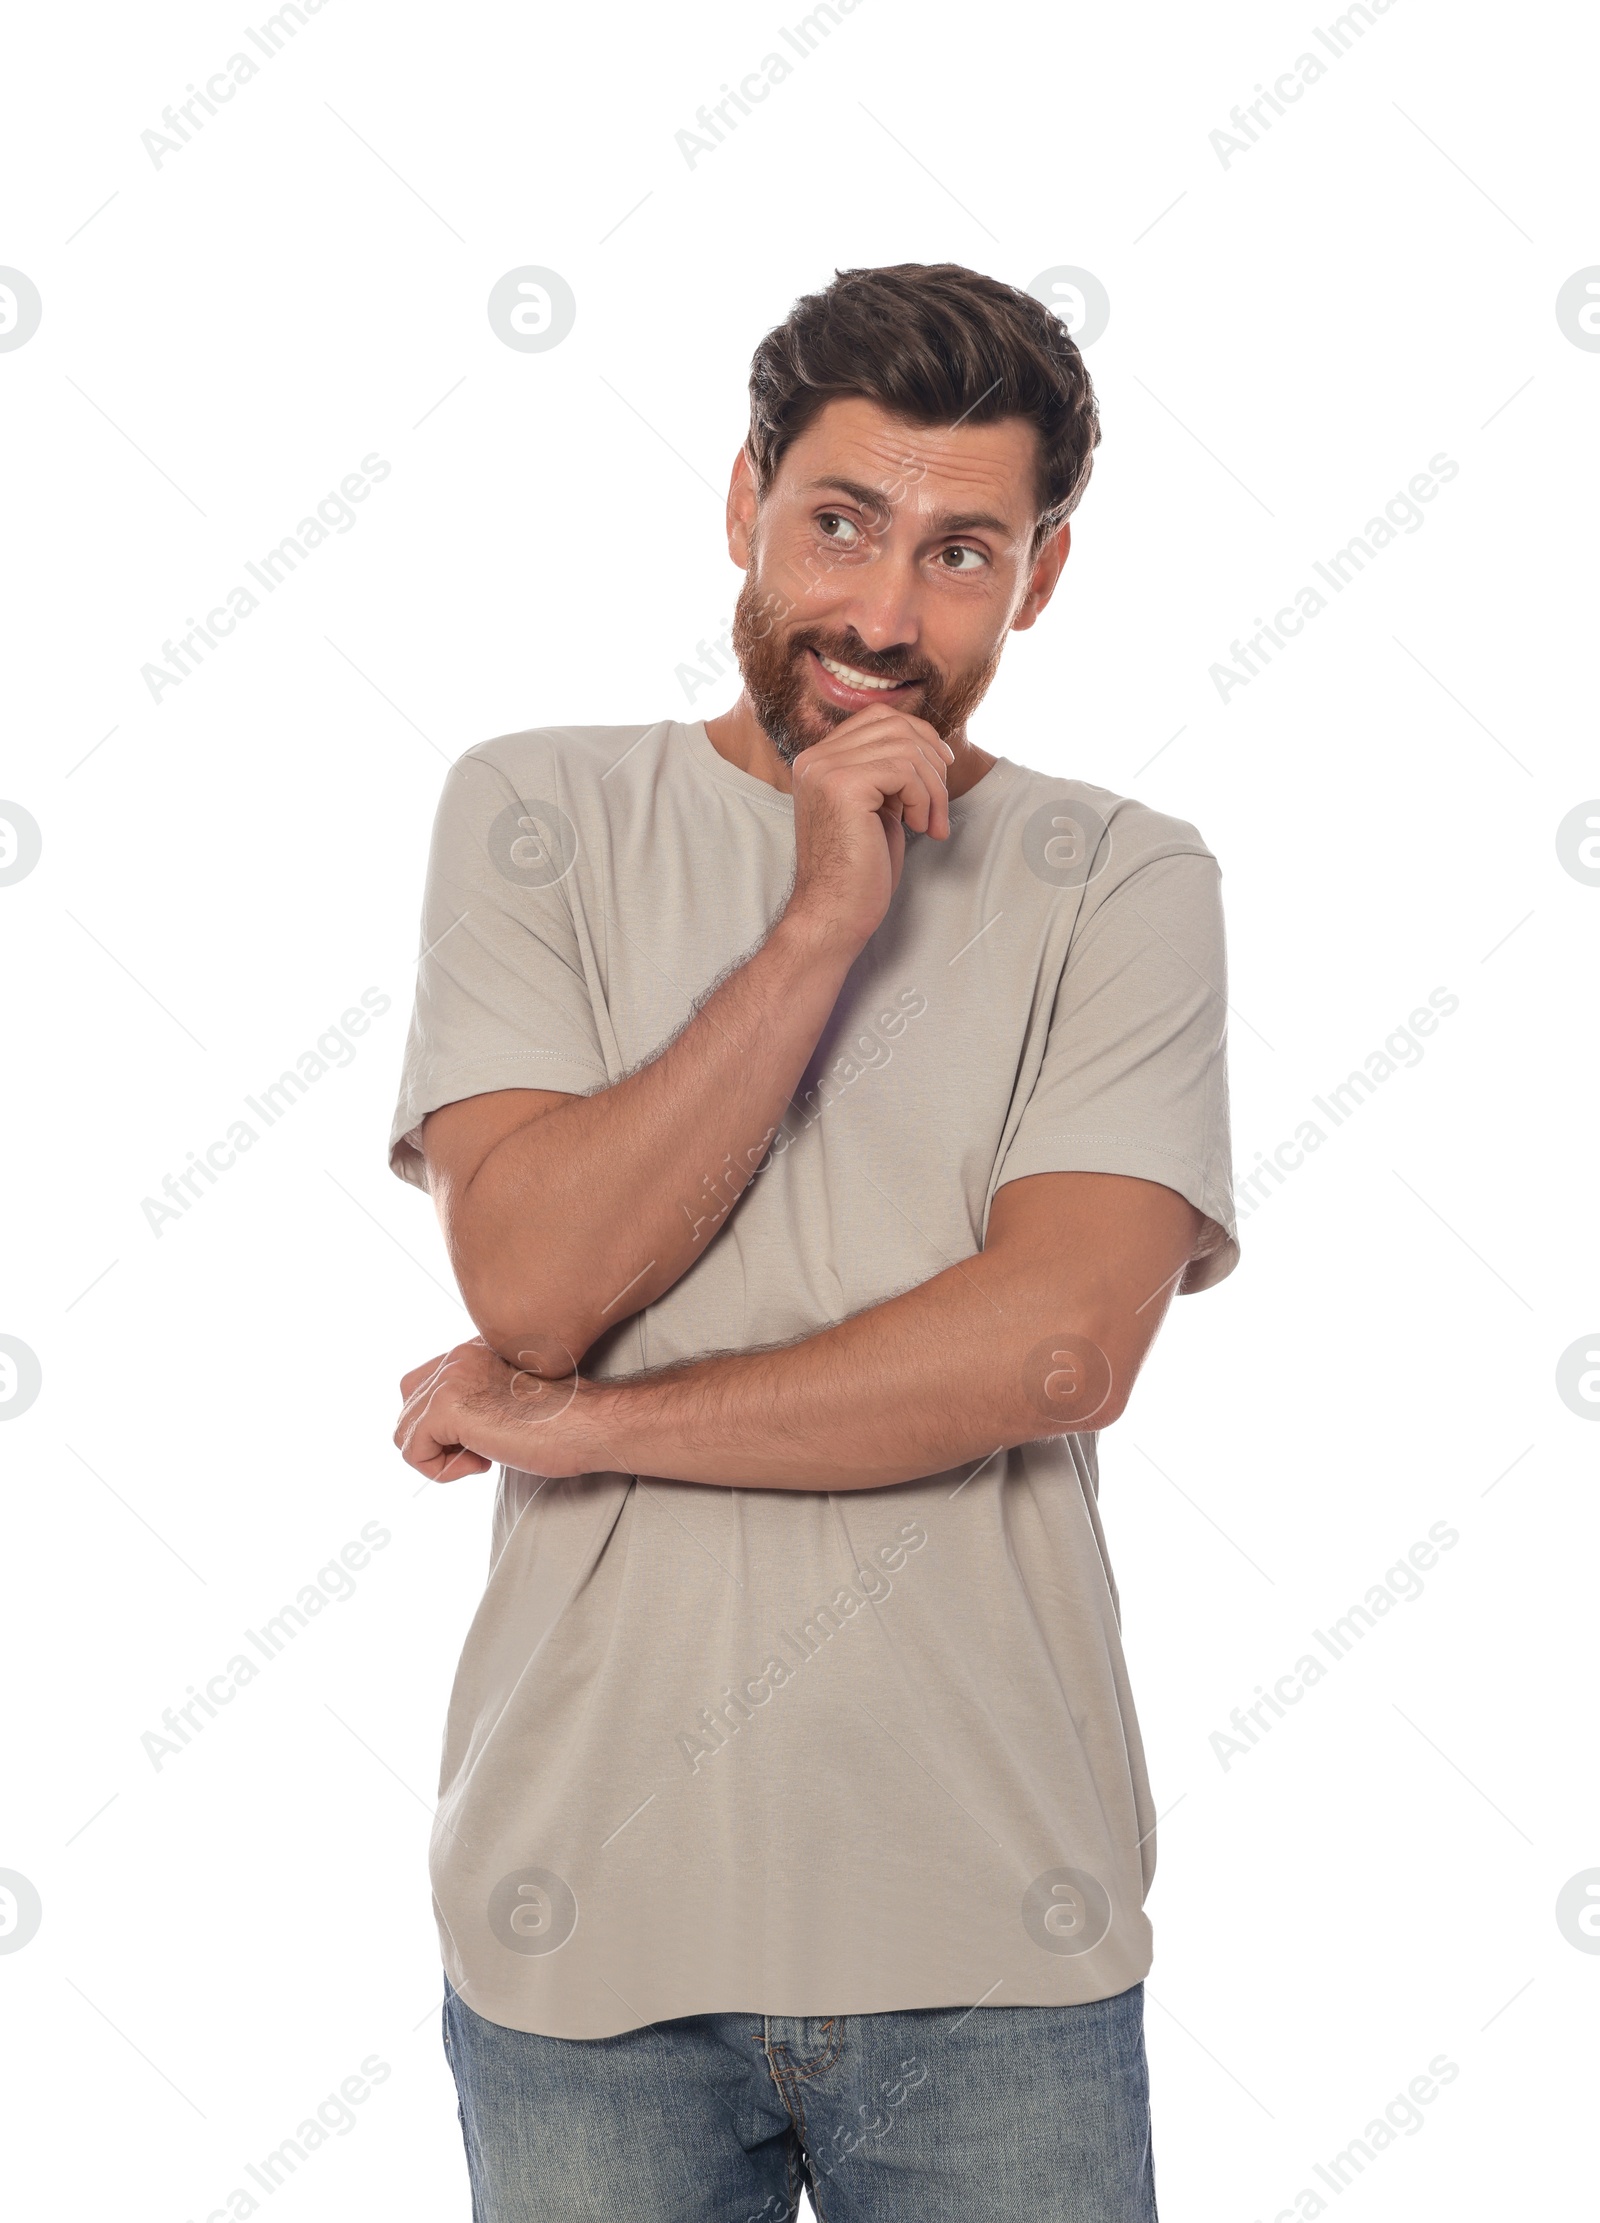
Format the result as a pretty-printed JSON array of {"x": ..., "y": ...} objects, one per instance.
[{"x": 854, "y": 678}]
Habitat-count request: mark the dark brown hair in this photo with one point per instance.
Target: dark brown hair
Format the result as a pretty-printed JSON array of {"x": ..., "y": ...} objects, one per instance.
[{"x": 933, "y": 343}]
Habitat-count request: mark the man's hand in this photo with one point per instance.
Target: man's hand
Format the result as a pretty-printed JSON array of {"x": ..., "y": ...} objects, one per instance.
[
  {"x": 854, "y": 795},
  {"x": 616, "y": 1194},
  {"x": 468, "y": 1410},
  {"x": 1041, "y": 1334}
]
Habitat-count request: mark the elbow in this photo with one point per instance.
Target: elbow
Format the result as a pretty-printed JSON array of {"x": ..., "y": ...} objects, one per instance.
[
  {"x": 1030, "y": 1426},
  {"x": 550, "y": 1352},
  {"x": 540, "y": 1330},
  {"x": 1069, "y": 1385},
  {"x": 1108, "y": 1413}
]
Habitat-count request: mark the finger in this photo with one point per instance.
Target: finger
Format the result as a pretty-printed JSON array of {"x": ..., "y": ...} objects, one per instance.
[
  {"x": 451, "y": 1466},
  {"x": 876, "y": 714},
  {"x": 894, "y": 729},
  {"x": 412, "y": 1382},
  {"x": 935, "y": 772},
  {"x": 455, "y": 1465},
  {"x": 939, "y": 792},
  {"x": 467, "y": 1364},
  {"x": 431, "y": 1443},
  {"x": 939, "y": 817},
  {"x": 855, "y": 743},
  {"x": 426, "y": 1425},
  {"x": 906, "y": 779},
  {"x": 875, "y": 774},
  {"x": 413, "y": 1411}
]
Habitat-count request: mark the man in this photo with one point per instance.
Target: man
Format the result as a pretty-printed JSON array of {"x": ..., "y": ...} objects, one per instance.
[{"x": 821, "y": 1112}]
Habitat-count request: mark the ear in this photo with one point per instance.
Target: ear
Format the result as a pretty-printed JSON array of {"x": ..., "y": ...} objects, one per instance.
[
  {"x": 743, "y": 502},
  {"x": 1046, "y": 571}
]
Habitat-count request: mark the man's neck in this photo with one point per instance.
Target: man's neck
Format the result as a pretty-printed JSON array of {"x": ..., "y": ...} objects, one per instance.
[{"x": 739, "y": 736}]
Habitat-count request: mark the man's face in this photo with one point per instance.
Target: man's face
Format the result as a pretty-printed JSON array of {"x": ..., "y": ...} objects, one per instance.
[{"x": 886, "y": 564}]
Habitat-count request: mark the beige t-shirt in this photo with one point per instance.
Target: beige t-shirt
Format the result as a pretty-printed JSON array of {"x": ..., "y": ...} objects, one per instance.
[{"x": 788, "y": 1752}]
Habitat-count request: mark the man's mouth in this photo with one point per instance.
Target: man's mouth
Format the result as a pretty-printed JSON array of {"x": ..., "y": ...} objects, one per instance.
[{"x": 847, "y": 680}]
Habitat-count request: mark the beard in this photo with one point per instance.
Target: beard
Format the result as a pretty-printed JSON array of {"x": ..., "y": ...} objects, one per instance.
[{"x": 772, "y": 664}]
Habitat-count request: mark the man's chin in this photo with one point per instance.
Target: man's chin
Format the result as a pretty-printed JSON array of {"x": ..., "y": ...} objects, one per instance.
[
  {"x": 795, "y": 731},
  {"x": 820, "y": 720}
]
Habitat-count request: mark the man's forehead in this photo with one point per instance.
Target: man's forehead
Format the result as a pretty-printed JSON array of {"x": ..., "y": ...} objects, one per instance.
[{"x": 933, "y": 466}]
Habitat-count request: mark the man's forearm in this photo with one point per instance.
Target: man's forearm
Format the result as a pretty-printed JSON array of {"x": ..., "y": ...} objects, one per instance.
[
  {"x": 1041, "y": 1334},
  {"x": 970, "y": 1361},
  {"x": 590, "y": 1212}
]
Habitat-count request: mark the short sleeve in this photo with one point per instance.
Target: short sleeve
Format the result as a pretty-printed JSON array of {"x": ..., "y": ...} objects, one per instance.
[
  {"x": 1134, "y": 1076},
  {"x": 503, "y": 996}
]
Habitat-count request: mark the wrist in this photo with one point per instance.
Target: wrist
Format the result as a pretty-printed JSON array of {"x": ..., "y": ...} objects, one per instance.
[
  {"x": 596, "y": 1432},
  {"x": 815, "y": 942},
  {"x": 570, "y": 1427},
  {"x": 539, "y": 1425}
]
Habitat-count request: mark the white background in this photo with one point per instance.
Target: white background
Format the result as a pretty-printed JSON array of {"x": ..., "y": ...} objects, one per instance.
[{"x": 1292, "y": 337}]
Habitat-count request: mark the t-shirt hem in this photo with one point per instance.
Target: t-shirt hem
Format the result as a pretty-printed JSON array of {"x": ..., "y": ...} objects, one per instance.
[{"x": 791, "y": 2001}]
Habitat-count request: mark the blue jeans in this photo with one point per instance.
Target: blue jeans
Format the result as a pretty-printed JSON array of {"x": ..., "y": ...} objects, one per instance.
[{"x": 938, "y": 2115}]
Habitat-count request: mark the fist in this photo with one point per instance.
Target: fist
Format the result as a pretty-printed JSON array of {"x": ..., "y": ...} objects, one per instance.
[
  {"x": 855, "y": 793},
  {"x": 468, "y": 1410}
]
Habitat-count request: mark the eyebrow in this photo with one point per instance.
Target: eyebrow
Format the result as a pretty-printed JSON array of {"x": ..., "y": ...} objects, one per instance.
[{"x": 872, "y": 498}]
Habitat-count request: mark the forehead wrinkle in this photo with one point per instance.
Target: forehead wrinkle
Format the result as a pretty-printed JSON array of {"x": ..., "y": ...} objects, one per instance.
[{"x": 971, "y": 483}]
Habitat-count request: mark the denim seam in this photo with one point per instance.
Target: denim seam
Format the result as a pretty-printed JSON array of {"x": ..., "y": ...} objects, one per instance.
[
  {"x": 788, "y": 2079},
  {"x": 820, "y": 2063},
  {"x": 794, "y": 2177}
]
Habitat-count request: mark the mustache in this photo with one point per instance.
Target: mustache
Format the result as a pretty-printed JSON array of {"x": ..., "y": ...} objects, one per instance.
[{"x": 896, "y": 664}]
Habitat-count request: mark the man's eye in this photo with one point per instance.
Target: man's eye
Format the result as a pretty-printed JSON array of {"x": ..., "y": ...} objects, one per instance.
[
  {"x": 838, "y": 528},
  {"x": 964, "y": 559}
]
